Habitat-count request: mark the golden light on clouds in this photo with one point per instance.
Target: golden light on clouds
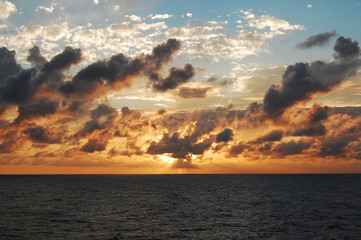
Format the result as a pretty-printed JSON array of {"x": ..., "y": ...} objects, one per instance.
[{"x": 145, "y": 95}]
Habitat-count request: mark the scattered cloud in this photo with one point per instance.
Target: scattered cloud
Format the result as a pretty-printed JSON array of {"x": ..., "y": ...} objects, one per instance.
[
  {"x": 202, "y": 41},
  {"x": 160, "y": 16},
  {"x": 7, "y": 8},
  {"x": 60, "y": 105},
  {"x": 317, "y": 40},
  {"x": 224, "y": 136},
  {"x": 292, "y": 147},
  {"x": 275, "y": 135},
  {"x": 133, "y": 18},
  {"x": 275, "y": 25},
  {"x": 3, "y": 26},
  {"x": 187, "y": 92},
  {"x": 303, "y": 80},
  {"x": 46, "y": 9}
]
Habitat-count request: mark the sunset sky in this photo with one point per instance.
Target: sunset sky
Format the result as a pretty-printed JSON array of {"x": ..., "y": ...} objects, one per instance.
[{"x": 180, "y": 86}]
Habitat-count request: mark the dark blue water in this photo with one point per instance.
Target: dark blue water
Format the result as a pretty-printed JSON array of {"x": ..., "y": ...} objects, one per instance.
[{"x": 181, "y": 207}]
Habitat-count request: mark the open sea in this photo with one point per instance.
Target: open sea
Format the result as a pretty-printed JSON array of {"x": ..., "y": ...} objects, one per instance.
[{"x": 180, "y": 206}]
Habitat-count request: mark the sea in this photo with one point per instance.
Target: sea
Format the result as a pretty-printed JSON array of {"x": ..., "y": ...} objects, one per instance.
[{"x": 260, "y": 206}]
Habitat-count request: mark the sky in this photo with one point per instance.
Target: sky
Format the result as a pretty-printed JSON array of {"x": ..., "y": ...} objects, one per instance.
[{"x": 173, "y": 87}]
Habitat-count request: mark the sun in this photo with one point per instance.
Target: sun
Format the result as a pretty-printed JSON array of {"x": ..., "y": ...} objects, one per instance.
[{"x": 166, "y": 159}]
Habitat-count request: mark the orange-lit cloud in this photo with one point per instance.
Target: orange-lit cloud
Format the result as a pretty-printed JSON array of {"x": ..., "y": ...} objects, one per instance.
[{"x": 63, "y": 120}]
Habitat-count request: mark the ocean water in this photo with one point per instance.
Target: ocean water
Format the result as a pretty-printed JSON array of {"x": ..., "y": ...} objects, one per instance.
[{"x": 181, "y": 207}]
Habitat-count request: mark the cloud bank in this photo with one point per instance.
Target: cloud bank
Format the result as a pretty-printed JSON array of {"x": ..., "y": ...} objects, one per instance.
[{"x": 54, "y": 117}]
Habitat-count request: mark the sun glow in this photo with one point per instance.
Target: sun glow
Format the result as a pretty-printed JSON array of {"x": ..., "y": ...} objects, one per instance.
[{"x": 166, "y": 159}]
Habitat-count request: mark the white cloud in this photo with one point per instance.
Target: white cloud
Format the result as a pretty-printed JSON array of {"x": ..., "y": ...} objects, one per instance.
[
  {"x": 48, "y": 38},
  {"x": 309, "y": 6},
  {"x": 30, "y": 32},
  {"x": 248, "y": 15},
  {"x": 214, "y": 23},
  {"x": 160, "y": 16},
  {"x": 95, "y": 2},
  {"x": 3, "y": 26},
  {"x": 123, "y": 29},
  {"x": 274, "y": 24},
  {"x": 46, "y": 9},
  {"x": 55, "y": 32},
  {"x": 116, "y": 7},
  {"x": 208, "y": 42},
  {"x": 133, "y": 18},
  {"x": 7, "y": 8},
  {"x": 189, "y": 15},
  {"x": 86, "y": 37}
]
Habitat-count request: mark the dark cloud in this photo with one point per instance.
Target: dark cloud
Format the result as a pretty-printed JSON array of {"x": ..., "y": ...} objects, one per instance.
[
  {"x": 161, "y": 111},
  {"x": 176, "y": 77},
  {"x": 35, "y": 58},
  {"x": 63, "y": 61},
  {"x": 128, "y": 112},
  {"x": 317, "y": 40},
  {"x": 51, "y": 73},
  {"x": 203, "y": 126},
  {"x": 351, "y": 111},
  {"x": 302, "y": 80},
  {"x": 237, "y": 149},
  {"x": 74, "y": 106},
  {"x": 265, "y": 148},
  {"x": 102, "y": 110},
  {"x": 232, "y": 115},
  {"x": 102, "y": 73},
  {"x": 94, "y": 145},
  {"x": 89, "y": 127},
  {"x": 292, "y": 147},
  {"x": 101, "y": 125},
  {"x": 41, "y": 135},
  {"x": 336, "y": 146},
  {"x": 10, "y": 142},
  {"x": 35, "y": 91},
  {"x": 22, "y": 87},
  {"x": 162, "y": 54},
  {"x": 345, "y": 48},
  {"x": 253, "y": 109},
  {"x": 18, "y": 88},
  {"x": 224, "y": 136},
  {"x": 313, "y": 130},
  {"x": 186, "y": 92},
  {"x": 37, "y": 108},
  {"x": 96, "y": 123},
  {"x": 220, "y": 82},
  {"x": 119, "y": 70},
  {"x": 8, "y": 65},
  {"x": 317, "y": 113},
  {"x": 275, "y": 135},
  {"x": 178, "y": 147}
]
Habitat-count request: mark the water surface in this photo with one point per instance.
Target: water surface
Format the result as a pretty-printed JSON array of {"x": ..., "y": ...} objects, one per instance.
[{"x": 181, "y": 207}]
